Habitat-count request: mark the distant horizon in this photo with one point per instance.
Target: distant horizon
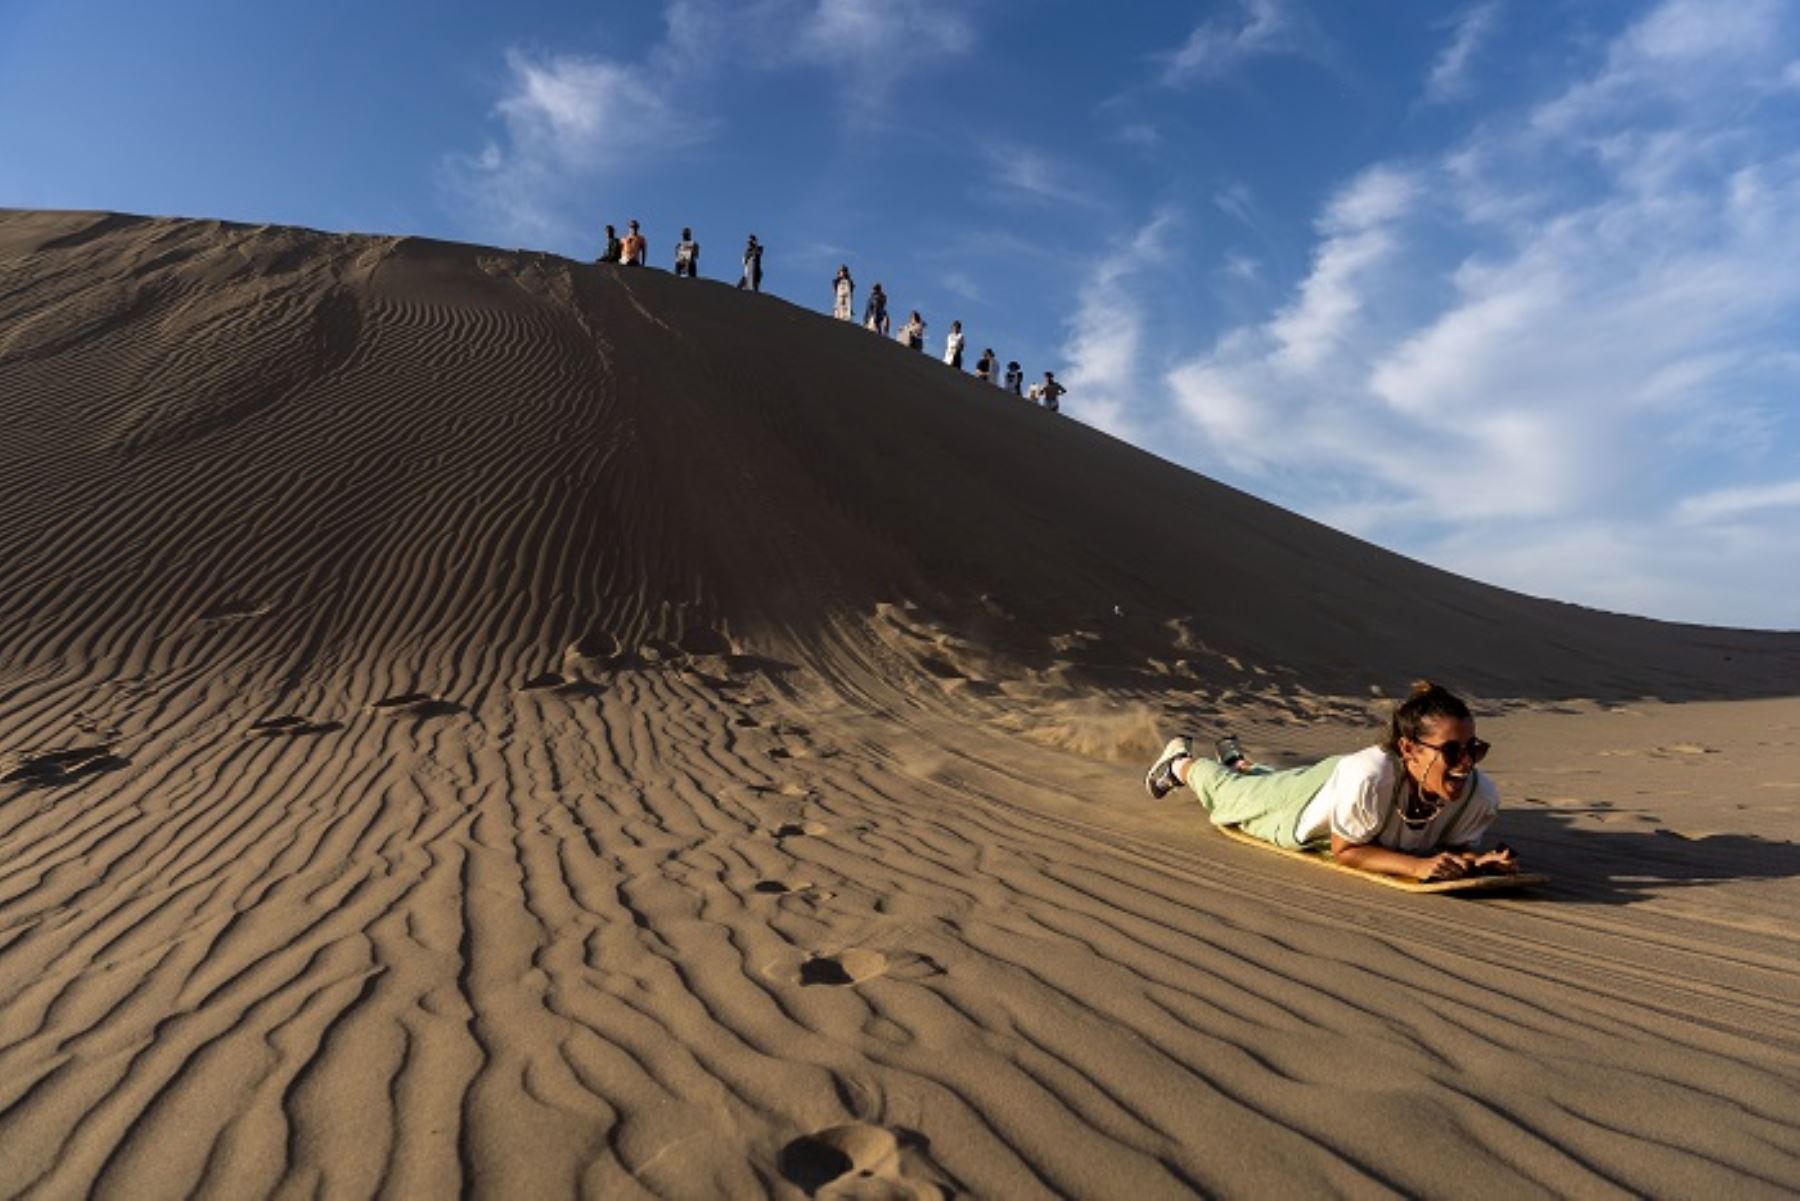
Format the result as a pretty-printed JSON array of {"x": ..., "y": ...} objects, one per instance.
[{"x": 1505, "y": 289}]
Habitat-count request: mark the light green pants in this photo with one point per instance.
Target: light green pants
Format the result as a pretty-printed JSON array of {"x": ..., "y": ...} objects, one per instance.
[{"x": 1261, "y": 802}]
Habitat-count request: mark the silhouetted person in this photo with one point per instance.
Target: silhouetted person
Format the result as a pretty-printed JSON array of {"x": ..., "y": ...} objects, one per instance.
[
  {"x": 1015, "y": 377},
  {"x": 752, "y": 277},
  {"x": 984, "y": 366},
  {"x": 1050, "y": 392},
  {"x": 875, "y": 314},
  {"x": 843, "y": 295},
  {"x": 614, "y": 249},
  {"x": 687, "y": 256},
  {"x": 953, "y": 346}
]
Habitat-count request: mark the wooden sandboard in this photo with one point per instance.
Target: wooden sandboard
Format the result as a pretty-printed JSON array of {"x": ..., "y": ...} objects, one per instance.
[{"x": 1494, "y": 883}]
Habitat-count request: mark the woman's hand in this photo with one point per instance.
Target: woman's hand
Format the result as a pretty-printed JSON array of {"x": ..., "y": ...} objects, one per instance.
[
  {"x": 1450, "y": 865},
  {"x": 1500, "y": 860}
]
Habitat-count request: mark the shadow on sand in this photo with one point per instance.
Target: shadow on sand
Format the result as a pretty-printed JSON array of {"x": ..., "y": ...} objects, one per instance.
[{"x": 1622, "y": 866}]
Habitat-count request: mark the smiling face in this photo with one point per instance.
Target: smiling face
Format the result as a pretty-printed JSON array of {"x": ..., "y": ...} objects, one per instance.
[{"x": 1429, "y": 768}]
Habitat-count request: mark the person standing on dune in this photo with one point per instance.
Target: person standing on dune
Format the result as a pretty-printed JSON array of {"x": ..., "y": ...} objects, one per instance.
[
  {"x": 1413, "y": 805},
  {"x": 984, "y": 366},
  {"x": 913, "y": 332},
  {"x": 752, "y": 277},
  {"x": 953, "y": 346},
  {"x": 614, "y": 251},
  {"x": 1050, "y": 392},
  {"x": 1015, "y": 377},
  {"x": 843, "y": 290},
  {"x": 687, "y": 255},
  {"x": 632, "y": 250},
  {"x": 875, "y": 314}
]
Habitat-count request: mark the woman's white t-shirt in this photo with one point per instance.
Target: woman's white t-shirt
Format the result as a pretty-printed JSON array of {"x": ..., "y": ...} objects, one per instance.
[{"x": 1360, "y": 803}]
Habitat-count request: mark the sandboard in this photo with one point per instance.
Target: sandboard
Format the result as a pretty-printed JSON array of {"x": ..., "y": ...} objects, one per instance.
[{"x": 1495, "y": 883}]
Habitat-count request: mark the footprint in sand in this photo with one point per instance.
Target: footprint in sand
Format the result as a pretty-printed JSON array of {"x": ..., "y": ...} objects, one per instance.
[
  {"x": 596, "y": 650},
  {"x": 291, "y": 726},
  {"x": 858, "y": 1160},
  {"x": 555, "y": 682},
  {"x": 415, "y": 704},
  {"x": 799, "y": 829},
  {"x": 233, "y": 610},
  {"x": 47, "y": 769},
  {"x": 783, "y": 888},
  {"x": 854, "y": 965}
]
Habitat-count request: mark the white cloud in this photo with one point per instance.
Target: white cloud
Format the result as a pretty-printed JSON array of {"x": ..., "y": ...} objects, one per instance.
[
  {"x": 1694, "y": 52},
  {"x": 1739, "y": 502},
  {"x": 587, "y": 114},
  {"x": 867, "y": 32},
  {"x": 1105, "y": 375},
  {"x": 1545, "y": 334},
  {"x": 1449, "y": 76},
  {"x": 1215, "y": 48},
  {"x": 571, "y": 117},
  {"x": 1237, "y": 202},
  {"x": 1316, "y": 326},
  {"x": 960, "y": 283},
  {"x": 1021, "y": 173},
  {"x": 1635, "y": 566},
  {"x": 1141, "y": 134},
  {"x": 1242, "y": 267}
]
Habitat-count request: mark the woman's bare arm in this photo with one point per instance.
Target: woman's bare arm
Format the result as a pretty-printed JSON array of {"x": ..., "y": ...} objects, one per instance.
[{"x": 1447, "y": 865}]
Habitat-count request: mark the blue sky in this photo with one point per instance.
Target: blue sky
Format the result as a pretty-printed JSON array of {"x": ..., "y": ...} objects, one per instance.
[{"x": 1511, "y": 286}]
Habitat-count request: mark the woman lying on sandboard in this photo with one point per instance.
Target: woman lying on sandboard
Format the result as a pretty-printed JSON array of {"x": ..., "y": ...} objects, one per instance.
[{"x": 1411, "y": 806}]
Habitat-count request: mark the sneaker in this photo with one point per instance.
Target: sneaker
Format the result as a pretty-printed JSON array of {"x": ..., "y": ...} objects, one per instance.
[{"x": 1160, "y": 780}]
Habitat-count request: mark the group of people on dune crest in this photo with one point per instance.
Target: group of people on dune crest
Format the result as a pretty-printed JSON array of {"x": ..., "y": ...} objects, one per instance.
[
  {"x": 632, "y": 250},
  {"x": 1047, "y": 392}
]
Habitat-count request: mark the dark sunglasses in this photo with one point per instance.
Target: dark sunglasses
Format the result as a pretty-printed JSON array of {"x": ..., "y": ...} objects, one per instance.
[{"x": 1454, "y": 750}]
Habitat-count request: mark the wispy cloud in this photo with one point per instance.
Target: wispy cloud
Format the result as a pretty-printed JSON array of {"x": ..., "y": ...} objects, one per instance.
[
  {"x": 1237, "y": 202},
  {"x": 1449, "y": 76},
  {"x": 1022, "y": 173},
  {"x": 568, "y": 118},
  {"x": 1739, "y": 502},
  {"x": 1107, "y": 378},
  {"x": 586, "y": 114},
  {"x": 1141, "y": 134},
  {"x": 961, "y": 283},
  {"x": 1704, "y": 56},
  {"x": 1476, "y": 358},
  {"x": 1241, "y": 267},
  {"x": 1254, "y": 29}
]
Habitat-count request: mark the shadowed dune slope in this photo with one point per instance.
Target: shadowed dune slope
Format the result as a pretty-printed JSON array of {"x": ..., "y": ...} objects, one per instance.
[
  {"x": 479, "y": 725},
  {"x": 396, "y": 446}
]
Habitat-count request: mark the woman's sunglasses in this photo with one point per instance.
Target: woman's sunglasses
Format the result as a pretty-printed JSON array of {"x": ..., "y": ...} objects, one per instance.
[{"x": 1454, "y": 750}]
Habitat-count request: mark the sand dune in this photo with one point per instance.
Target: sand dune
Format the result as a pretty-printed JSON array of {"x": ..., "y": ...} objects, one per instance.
[{"x": 472, "y": 722}]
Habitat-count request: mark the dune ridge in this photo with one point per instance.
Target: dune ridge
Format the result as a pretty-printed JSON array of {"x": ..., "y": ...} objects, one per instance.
[{"x": 477, "y": 723}]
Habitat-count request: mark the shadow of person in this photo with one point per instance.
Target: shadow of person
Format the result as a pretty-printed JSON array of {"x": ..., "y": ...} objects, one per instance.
[{"x": 1614, "y": 866}]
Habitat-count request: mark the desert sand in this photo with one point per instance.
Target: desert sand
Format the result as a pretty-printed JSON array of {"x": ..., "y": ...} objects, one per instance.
[{"x": 475, "y": 723}]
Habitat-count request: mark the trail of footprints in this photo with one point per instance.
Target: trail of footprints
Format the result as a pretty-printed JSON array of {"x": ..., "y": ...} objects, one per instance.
[{"x": 849, "y": 1160}]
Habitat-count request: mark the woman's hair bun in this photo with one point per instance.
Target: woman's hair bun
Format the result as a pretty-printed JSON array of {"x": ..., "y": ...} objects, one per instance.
[{"x": 1425, "y": 701}]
